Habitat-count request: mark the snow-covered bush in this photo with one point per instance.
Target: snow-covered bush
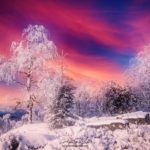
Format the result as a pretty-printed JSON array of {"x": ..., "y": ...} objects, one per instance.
[
  {"x": 38, "y": 114},
  {"x": 10, "y": 142},
  {"x": 78, "y": 138},
  {"x": 6, "y": 123},
  {"x": 24, "y": 119},
  {"x": 14, "y": 143}
]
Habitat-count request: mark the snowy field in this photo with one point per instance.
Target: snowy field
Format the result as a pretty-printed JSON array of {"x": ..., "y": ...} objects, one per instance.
[{"x": 86, "y": 134}]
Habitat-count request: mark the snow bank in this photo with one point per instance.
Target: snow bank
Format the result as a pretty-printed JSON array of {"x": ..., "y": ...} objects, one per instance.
[
  {"x": 138, "y": 117},
  {"x": 108, "y": 122},
  {"x": 104, "y": 121},
  {"x": 134, "y": 115},
  {"x": 120, "y": 120}
]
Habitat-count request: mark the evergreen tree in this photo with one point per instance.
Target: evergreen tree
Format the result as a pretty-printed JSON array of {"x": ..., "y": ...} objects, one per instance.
[{"x": 61, "y": 107}]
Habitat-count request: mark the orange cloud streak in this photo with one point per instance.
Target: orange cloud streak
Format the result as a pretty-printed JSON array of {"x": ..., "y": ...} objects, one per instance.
[{"x": 97, "y": 69}]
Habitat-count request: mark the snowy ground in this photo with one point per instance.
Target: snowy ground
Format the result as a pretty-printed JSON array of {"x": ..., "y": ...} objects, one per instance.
[{"x": 82, "y": 136}]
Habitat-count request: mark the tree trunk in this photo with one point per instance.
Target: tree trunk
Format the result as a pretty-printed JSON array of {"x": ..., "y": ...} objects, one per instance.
[
  {"x": 79, "y": 108},
  {"x": 30, "y": 101},
  {"x": 30, "y": 115},
  {"x": 30, "y": 107}
]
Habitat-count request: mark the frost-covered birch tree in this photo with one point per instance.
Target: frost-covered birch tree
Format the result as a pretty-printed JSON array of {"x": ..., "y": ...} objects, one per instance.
[{"x": 28, "y": 61}]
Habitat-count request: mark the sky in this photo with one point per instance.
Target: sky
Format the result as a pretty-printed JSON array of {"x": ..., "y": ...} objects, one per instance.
[{"x": 99, "y": 36}]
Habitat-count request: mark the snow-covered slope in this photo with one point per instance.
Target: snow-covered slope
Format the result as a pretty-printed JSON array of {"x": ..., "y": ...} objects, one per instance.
[
  {"x": 32, "y": 134},
  {"x": 81, "y": 136}
]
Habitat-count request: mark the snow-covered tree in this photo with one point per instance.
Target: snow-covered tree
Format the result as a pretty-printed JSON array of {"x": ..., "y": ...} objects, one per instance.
[
  {"x": 99, "y": 100},
  {"x": 62, "y": 106},
  {"x": 58, "y": 96},
  {"x": 82, "y": 100},
  {"x": 28, "y": 61},
  {"x": 85, "y": 98},
  {"x": 118, "y": 99},
  {"x": 138, "y": 74}
]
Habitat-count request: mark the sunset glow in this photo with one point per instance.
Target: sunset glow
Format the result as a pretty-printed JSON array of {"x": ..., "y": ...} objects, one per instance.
[{"x": 99, "y": 37}]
